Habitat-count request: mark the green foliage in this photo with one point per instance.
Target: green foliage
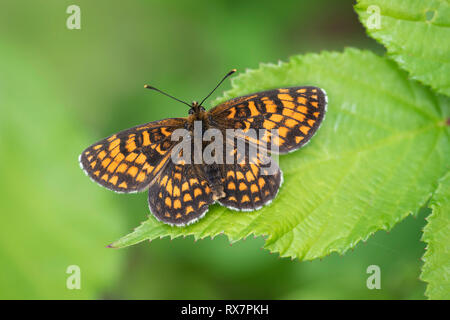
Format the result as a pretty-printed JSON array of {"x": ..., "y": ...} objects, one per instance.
[
  {"x": 49, "y": 216},
  {"x": 376, "y": 159},
  {"x": 416, "y": 34},
  {"x": 436, "y": 270}
]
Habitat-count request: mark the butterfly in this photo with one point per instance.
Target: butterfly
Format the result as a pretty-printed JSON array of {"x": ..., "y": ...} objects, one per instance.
[{"x": 180, "y": 193}]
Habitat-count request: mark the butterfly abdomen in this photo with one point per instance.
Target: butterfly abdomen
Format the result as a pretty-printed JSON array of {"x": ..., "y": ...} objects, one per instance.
[{"x": 214, "y": 177}]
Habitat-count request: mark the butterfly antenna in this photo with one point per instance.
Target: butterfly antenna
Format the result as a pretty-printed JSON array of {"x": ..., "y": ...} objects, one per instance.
[
  {"x": 153, "y": 88},
  {"x": 228, "y": 74}
]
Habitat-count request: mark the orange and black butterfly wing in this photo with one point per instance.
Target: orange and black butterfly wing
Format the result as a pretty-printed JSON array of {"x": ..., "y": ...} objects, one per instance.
[
  {"x": 129, "y": 160},
  {"x": 180, "y": 195},
  {"x": 296, "y": 113},
  {"x": 253, "y": 180}
]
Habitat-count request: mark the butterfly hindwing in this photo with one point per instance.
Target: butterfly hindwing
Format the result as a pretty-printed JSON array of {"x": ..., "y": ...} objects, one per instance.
[
  {"x": 180, "y": 195},
  {"x": 295, "y": 112},
  {"x": 251, "y": 182},
  {"x": 129, "y": 160}
]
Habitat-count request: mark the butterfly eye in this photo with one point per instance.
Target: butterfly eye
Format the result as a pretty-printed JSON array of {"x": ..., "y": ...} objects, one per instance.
[{"x": 191, "y": 111}]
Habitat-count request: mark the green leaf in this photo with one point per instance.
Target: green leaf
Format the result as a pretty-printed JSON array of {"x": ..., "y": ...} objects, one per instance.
[
  {"x": 436, "y": 269},
  {"x": 416, "y": 34},
  {"x": 50, "y": 216},
  {"x": 377, "y": 157}
]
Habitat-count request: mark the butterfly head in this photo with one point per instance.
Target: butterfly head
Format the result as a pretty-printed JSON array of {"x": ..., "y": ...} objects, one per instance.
[{"x": 196, "y": 108}]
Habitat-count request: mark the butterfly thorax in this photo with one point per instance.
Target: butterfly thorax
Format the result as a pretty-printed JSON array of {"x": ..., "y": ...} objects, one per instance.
[{"x": 212, "y": 172}]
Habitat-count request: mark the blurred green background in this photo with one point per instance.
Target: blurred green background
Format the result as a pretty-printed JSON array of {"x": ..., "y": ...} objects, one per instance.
[{"x": 61, "y": 90}]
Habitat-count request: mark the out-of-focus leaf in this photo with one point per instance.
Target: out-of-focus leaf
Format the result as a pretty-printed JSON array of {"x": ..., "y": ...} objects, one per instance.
[{"x": 50, "y": 219}]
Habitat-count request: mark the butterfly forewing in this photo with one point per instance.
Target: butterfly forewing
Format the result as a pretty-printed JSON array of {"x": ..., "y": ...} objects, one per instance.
[
  {"x": 296, "y": 113},
  {"x": 129, "y": 160}
]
